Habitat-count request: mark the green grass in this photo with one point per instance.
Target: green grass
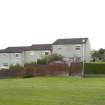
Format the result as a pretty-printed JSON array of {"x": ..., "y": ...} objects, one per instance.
[{"x": 53, "y": 91}]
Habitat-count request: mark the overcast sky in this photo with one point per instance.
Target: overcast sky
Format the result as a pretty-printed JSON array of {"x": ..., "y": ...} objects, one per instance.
[{"x": 26, "y": 22}]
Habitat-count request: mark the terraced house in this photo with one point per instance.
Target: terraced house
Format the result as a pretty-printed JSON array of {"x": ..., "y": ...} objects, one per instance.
[{"x": 71, "y": 50}]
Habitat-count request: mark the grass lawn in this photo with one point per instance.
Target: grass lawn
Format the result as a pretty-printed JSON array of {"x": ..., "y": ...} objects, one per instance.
[{"x": 53, "y": 91}]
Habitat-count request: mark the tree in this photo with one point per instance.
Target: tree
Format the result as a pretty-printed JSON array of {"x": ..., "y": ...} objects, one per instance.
[
  {"x": 100, "y": 54},
  {"x": 101, "y": 51}
]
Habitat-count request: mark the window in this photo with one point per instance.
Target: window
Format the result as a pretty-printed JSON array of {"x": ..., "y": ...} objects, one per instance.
[
  {"x": 59, "y": 48},
  {"x": 17, "y": 55},
  {"x": 5, "y": 64},
  {"x": 77, "y": 48},
  {"x": 71, "y": 58},
  {"x": 4, "y": 54},
  {"x": 46, "y": 53}
]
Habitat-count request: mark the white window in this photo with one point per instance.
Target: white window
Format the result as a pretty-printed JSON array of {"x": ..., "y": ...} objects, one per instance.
[
  {"x": 59, "y": 48},
  {"x": 77, "y": 48},
  {"x": 5, "y": 64},
  {"x": 46, "y": 53},
  {"x": 4, "y": 54},
  {"x": 17, "y": 55}
]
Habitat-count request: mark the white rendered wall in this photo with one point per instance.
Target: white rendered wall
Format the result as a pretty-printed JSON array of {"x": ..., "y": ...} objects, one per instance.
[{"x": 32, "y": 56}]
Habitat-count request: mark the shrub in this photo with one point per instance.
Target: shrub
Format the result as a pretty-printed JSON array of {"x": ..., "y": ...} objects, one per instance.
[
  {"x": 32, "y": 63},
  {"x": 29, "y": 71},
  {"x": 42, "y": 61},
  {"x": 16, "y": 67},
  {"x": 95, "y": 68},
  {"x": 54, "y": 57}
]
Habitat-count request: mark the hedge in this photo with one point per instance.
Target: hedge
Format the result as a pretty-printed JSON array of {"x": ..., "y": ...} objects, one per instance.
[
  {"x": 42, "y": 61},
  {"x": 95, "y": 68}
]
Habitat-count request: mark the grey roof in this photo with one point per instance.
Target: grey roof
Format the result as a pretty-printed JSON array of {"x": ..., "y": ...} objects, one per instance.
[
  {"x": 14, "y": 49},
  {"x": 26, "y": 48},
  {"x": 41, "y": 47},
  {"x": 2, "y": 51},
  {"x": 70, "y": 41}
]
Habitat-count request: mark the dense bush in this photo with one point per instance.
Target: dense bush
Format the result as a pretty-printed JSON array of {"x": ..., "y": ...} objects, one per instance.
[
  {"x": 95, "y": 68},
  {"x": 42, "y": 61},
  {"x": 16, "y": 67},
  {"x": 32, "y": 64},
  {"x": 29, "y": 70},
  {"x": 54, "y": 57}
]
